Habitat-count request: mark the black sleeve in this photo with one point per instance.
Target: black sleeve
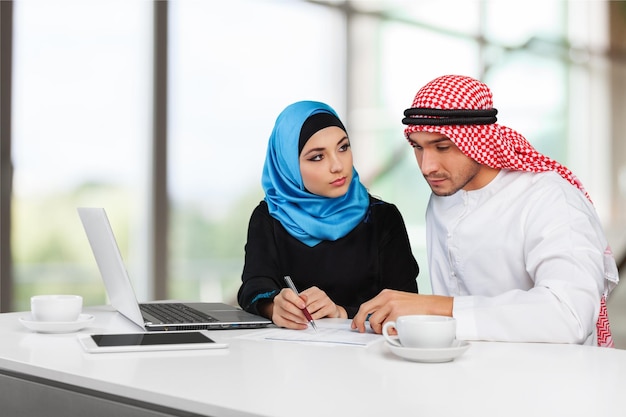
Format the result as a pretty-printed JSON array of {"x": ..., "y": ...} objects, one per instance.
[
  {"x": 398, "y": 267},
  {"x": 261, "y": 262}
]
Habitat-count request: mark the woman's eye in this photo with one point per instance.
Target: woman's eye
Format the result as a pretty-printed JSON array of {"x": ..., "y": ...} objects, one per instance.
[
  {"x": 345, "y": 147},
  {"x": 317, "y": 157}
]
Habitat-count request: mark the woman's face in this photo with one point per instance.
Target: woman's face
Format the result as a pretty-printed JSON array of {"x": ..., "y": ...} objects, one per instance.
[{"x": 326, "y": 163}]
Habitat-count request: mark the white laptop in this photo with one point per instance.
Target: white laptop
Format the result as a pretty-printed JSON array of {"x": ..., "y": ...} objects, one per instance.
[{"x": 210, "y": 316}]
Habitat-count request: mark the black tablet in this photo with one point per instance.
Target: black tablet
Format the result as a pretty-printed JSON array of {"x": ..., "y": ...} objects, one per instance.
[{"x": 149, "y": 341}]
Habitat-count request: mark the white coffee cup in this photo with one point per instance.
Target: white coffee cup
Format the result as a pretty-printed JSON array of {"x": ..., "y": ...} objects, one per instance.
[
  {"x": 422, "y": 331},
  {"x": 56, "y": 308}
]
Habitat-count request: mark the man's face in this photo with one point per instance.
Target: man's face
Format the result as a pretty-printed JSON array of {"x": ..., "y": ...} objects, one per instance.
[{"x": 447, "y": 169}]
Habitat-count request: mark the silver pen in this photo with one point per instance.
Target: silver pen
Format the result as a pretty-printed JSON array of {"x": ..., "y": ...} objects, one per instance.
[{"x": 304, "y": 310}]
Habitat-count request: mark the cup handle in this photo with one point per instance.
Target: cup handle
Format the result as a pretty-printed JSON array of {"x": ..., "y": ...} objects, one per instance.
[{"x": 390, "y": 340}]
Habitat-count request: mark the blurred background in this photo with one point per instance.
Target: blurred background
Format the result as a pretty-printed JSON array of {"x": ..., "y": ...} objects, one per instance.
[{"x": 160, "y": 113}]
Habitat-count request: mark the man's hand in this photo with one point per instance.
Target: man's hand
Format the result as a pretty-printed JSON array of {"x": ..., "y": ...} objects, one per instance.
[{"x": 390, "y": 304}]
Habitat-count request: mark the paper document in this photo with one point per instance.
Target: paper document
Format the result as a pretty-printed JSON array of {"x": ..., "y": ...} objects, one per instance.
[{"x": 329, "y": 331}]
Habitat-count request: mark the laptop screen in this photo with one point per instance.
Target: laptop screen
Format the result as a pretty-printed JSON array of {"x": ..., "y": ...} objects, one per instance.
[{"x": 110, "y": 263}]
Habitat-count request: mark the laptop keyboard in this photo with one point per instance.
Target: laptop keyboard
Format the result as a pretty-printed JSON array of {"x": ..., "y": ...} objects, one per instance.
[{"x": 176, "y": 313}]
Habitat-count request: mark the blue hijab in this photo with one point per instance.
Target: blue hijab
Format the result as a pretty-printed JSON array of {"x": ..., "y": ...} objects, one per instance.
[{"x": 308, "y": 217}]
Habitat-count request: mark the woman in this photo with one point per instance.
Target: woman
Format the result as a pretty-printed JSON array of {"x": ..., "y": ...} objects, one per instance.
[{"x": 319, "y": 225}]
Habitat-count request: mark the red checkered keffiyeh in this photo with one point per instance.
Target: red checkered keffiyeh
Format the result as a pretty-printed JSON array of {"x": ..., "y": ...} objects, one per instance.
[{"x": 461, "y": 108}]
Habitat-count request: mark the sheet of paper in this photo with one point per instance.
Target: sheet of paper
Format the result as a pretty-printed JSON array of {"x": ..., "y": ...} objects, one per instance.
[{"x": 329, "y": 331}]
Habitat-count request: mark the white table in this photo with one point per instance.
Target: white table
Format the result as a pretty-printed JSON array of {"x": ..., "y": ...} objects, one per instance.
[{"x": 50, "y": 372}]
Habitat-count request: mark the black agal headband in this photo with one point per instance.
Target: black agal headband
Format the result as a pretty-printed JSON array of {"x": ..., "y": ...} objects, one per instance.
[{"x": 440, "y": 117}]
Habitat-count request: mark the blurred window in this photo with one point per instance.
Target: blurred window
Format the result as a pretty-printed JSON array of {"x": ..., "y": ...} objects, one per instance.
[
  {"x": 82, "y": 116},
  {"x": 81, "y": 134},
  {"x": 234, "y": 66}
]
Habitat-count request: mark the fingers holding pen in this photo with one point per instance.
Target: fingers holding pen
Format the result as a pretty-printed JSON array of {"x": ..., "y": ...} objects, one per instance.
[{"x": 287, "y": 310}]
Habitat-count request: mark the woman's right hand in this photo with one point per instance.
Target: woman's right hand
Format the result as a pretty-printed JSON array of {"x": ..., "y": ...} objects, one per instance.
[{"x": 287, "y": 310}]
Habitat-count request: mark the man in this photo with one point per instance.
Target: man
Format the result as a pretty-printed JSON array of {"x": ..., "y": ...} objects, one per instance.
[{"x": 516, "y": 250}]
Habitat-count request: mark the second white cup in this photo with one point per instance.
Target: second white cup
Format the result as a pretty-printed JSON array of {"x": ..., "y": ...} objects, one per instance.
[
  {"x": 422, "y": 331},
  {"x": 56, "y": 308}
]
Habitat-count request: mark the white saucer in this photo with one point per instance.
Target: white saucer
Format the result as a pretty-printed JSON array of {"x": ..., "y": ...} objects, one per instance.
[
  {"x": 57, "y": 326},
  {"x": 431, "y": 355}
]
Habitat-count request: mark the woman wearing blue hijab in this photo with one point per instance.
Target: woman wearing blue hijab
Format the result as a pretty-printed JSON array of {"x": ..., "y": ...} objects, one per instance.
[{"x": 319, "y": 225}]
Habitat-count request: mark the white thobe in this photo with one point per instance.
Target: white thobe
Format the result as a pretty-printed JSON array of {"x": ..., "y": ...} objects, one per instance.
[{"x": 523, "y": 258}]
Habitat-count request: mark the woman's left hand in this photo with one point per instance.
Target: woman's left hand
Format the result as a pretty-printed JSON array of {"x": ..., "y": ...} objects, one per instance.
[{"x": 320, "y": 305}]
